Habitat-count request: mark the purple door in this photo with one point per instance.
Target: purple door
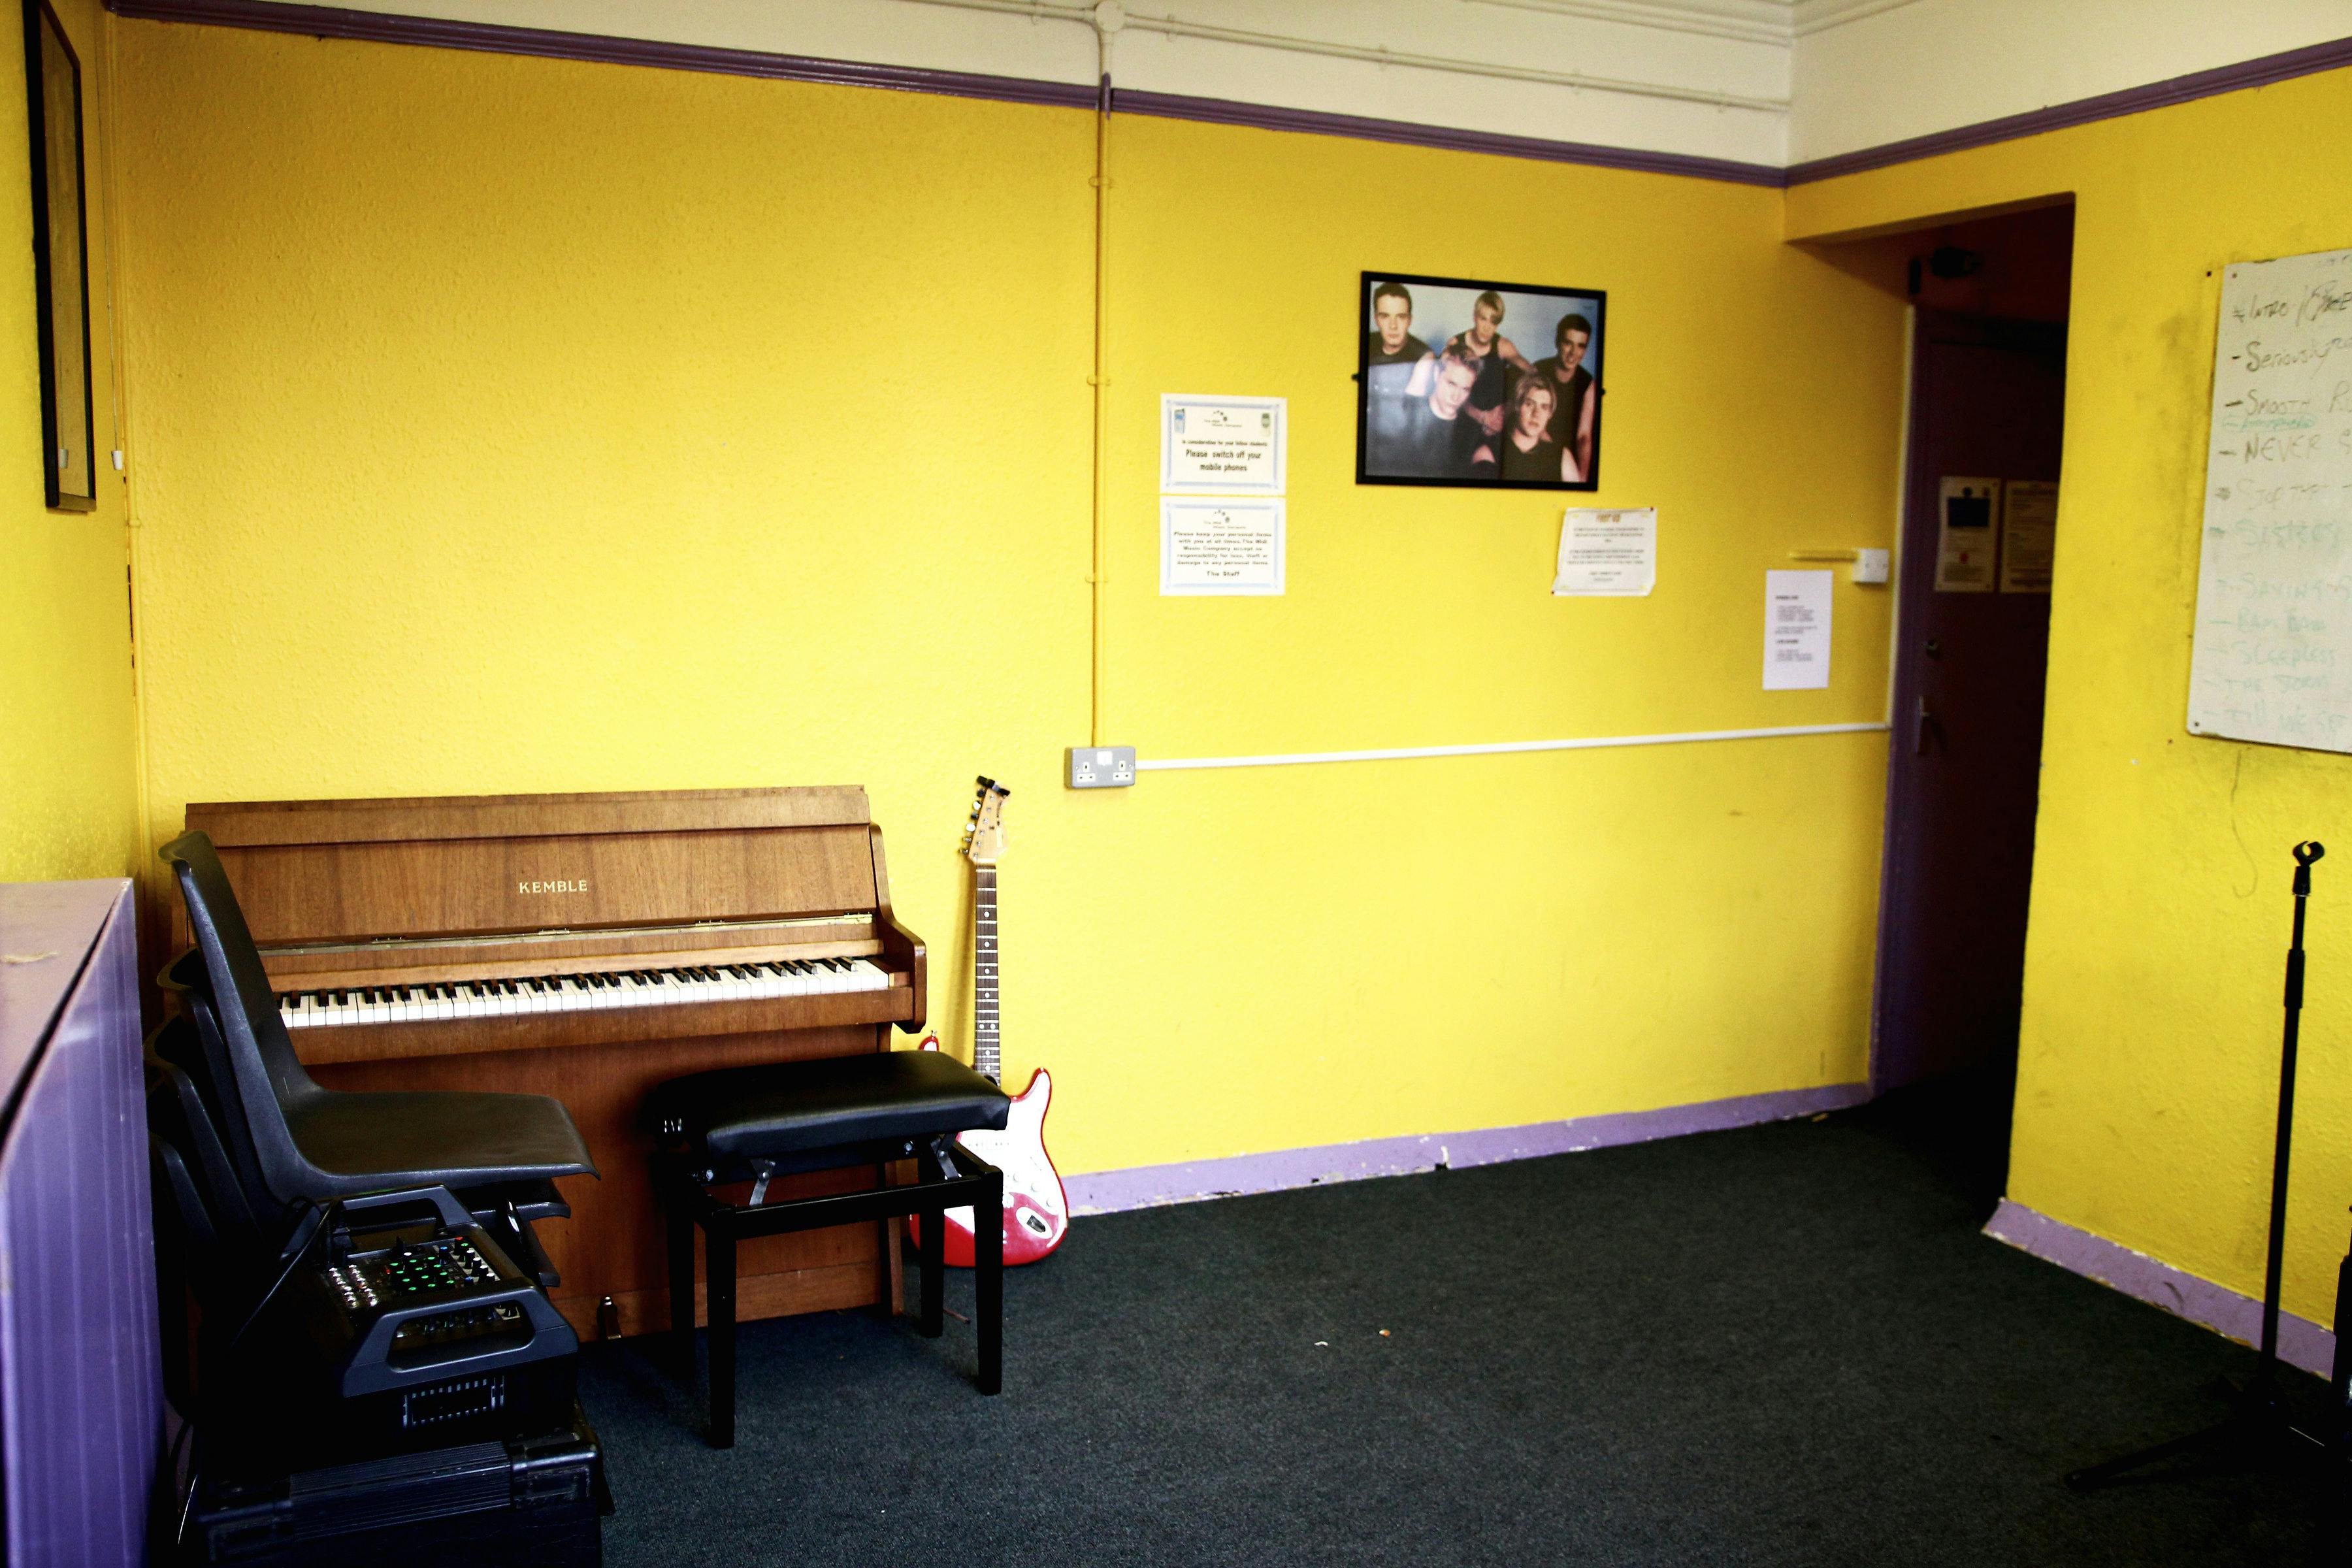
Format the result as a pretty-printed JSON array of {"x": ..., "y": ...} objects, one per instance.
[{"x": 1987, "y": 401}]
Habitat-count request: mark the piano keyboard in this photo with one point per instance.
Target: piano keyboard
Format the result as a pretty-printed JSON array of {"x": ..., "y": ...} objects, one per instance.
[{"x": 579, "y": 993}]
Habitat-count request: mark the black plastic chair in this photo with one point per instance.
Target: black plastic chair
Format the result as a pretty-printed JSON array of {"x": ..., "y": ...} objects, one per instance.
[
  {"x": 308, "y": 1144},
  {"x": 178, "y": 1113}
]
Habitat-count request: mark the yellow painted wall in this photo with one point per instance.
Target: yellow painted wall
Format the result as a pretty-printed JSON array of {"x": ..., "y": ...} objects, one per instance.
[
  {"x": 2153, "y": 967},
  {"x": 67, "y": 755},
  {"x": 513, "y": 425}
]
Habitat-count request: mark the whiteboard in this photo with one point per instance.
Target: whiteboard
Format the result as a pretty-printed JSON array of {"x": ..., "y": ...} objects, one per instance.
[{"x": 2273, "y": 636}]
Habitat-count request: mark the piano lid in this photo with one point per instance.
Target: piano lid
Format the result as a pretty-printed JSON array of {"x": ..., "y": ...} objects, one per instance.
[{"x": 344, "y": 872}]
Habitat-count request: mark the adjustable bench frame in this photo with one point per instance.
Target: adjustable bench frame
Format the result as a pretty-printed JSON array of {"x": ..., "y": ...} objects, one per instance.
[{"x": 683, "y": 1186}]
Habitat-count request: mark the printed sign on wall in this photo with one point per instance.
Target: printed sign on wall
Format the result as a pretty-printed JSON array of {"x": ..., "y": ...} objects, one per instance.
[
  {"x": 1225, "y": 444},
  {"x": 1796, "y": 630},
  {"x": 1208, "y": 545}
]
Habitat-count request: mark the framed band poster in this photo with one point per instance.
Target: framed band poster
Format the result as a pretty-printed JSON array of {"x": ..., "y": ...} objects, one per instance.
[{"x": 1461, "y": 381}]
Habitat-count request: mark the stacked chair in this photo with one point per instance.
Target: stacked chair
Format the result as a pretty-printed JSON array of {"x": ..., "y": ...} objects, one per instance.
[{"x": 354, "y": 1301}]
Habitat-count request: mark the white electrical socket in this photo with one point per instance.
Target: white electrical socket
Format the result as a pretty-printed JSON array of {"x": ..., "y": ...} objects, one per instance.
[
  {"x": 1870, "y": 565},
  {"x": 1102, "y": 767}
]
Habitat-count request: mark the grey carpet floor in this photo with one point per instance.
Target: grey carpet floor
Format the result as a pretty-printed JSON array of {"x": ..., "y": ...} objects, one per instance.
[{"x": 1786, "y": 1344}]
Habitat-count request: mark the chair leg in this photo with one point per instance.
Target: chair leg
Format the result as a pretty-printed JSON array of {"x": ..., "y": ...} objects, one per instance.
[
  {"x": 680, "y": 1222},
  {"x": 719, "y": 1247},
  {"x": 988, "y": 1281}
]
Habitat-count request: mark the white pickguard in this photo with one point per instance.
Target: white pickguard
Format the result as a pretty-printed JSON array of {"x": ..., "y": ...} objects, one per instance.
[{"x": 1019, "y": 1150}]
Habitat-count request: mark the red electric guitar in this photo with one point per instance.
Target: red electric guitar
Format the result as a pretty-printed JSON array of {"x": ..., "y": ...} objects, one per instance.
[{"x": 1036, "y": 1210}]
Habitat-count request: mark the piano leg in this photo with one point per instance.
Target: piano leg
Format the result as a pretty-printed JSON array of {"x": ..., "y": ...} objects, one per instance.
[{"x": 719, "y": 1246}]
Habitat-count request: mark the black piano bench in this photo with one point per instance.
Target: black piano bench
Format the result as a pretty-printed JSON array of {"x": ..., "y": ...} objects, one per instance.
[{"x": 755, "y": 1123}]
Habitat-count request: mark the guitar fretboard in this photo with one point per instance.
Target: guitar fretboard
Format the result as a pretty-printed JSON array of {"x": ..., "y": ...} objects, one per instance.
[{"x": 984, "y": 1054}]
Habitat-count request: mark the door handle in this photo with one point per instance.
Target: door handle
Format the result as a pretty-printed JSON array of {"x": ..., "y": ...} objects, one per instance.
[{"x": 1924, "y": 726}]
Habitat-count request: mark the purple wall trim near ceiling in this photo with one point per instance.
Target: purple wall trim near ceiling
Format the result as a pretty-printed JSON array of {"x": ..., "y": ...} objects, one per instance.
[
  {"x": 2186, "y": 89},
  {"x": 1226, "y": 112},
  {"x": 2301, "y": 1343},
  {"x": 328, "y": 22},
  {"x": 431, "y": 31},
  {"x": 1143, "y": 1186},
  {"x": 376, "y": 26}
]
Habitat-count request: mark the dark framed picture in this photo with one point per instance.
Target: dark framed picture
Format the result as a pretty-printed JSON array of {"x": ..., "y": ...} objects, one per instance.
[
  {"x": 1491, "y": 386},
  {"x": 60, "y": 259}
]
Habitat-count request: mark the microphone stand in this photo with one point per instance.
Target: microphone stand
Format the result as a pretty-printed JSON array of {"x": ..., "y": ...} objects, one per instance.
[{"x": 2262, "y": 1413}]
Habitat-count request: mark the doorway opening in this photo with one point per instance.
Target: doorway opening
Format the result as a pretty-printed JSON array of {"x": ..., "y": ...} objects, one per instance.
[{"x": 1972, "y": 617}]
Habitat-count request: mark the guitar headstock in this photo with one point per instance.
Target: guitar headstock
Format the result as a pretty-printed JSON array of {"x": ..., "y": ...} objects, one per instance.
[{"x": 984, "y": 833}]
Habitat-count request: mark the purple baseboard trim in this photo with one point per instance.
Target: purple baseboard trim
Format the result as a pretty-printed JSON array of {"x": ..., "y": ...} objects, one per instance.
[
  {"x": 2187, "y": 88},
  {"x": 2301, "y": 1343},
  {"x": 376, "y": 26},
  {"x": 1145, "y": 1186},
  {"x": 1264, "y": 117}
]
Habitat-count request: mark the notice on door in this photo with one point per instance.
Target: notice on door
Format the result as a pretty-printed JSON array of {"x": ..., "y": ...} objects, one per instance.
[
  {"x": 1797, "y": 630},
  {"x": 1209, "y": 546},
  {"x": 1967, "y": 535},
  {"x": 2029, "y": 535}
]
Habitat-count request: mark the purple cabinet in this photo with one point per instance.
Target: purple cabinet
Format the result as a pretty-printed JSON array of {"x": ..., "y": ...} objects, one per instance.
[{"x": 80, "y": 1377}]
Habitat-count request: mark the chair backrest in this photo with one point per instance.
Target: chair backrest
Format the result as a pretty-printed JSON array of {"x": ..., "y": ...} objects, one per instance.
[
  {"x": 186, "y": 1117},
  {"x": 190, "y": 1040},
  {"x": 260, "y": 1058}
]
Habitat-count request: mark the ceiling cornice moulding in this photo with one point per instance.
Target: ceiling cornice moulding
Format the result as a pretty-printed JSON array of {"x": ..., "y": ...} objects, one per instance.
[
  {"x": 1745, "y": 21},
  {"x": 1775, "y": 22}
]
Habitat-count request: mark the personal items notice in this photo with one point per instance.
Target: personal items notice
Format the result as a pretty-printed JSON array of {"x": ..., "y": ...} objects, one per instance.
[
  {"x": 1796, "y": 630},
  {"x": 1220, "y": 546},
  {"x": 1608, "y": 552},
  {"x": 1227, "y": 445},
  {"x": 1966, "y": 513},
  {"x": 2029, "y": 535}
]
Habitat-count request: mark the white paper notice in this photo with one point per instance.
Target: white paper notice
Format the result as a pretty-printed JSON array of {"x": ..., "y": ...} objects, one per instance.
[
  {"x": 1223, "y": 445},
  {"x": 1797, "y": 630},
  {"x": 1966, "y": 513},
  {"x": 1608, "y": 552},
  {"x": 2029, "y": 535},
  {"x": 1220, "y": 546}
]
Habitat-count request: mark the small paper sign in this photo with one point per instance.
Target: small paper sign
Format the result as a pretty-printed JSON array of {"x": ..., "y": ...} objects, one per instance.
[
  {"x": 1211, "y": 546},
  {"x": 1796, "y": 630},
  {"x": 1223, "y": 445},
  {"x": 1608, "y": 552}
]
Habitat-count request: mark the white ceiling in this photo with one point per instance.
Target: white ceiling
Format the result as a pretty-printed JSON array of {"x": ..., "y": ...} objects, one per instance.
[{"x": 1757, "y": 81}]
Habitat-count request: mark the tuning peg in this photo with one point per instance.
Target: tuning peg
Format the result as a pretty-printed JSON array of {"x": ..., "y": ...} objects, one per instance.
[{"x": 987, "y": 783}]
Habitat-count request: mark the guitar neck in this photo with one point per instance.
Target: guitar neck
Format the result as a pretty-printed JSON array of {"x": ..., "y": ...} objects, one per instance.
[{"x": 985, "y": 1057}]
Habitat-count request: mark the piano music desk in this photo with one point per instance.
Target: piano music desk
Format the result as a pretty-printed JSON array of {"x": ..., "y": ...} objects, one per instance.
[{"x": 733, "y": 912}]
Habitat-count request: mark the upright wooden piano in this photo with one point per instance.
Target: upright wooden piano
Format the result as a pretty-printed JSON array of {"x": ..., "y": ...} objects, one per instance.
[{"x": 588, "y": 947}]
